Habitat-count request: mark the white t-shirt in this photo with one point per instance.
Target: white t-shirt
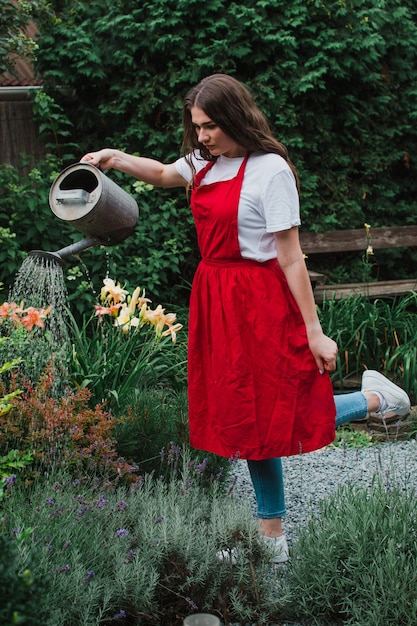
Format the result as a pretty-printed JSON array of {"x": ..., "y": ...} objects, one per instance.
[{"x": 268, "y": 202}]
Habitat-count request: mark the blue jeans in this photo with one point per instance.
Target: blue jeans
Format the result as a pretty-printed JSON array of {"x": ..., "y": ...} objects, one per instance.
[{"x": 267, "y": 475}]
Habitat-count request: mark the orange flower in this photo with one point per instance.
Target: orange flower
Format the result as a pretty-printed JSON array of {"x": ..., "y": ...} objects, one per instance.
[
  {"x": 107, "y": 310},
  {"x": 34, "y": 317},
  {"x": 10, "y": 310},
  {"x": 123, "y": 307}
]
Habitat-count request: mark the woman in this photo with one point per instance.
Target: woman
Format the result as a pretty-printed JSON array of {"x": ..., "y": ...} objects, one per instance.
[{"x": 259, "y": 362}]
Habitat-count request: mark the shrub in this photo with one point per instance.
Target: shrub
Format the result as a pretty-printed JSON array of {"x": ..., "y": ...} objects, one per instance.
[
  {"x": 21, "y": 587},
  {"x": 356, "y": 560},
  {"x": 154, "y": 420},
  {"x": 61, "y": 432},
  {"x": 330, "y": 76},
  {"x": 146, "y": 554}
]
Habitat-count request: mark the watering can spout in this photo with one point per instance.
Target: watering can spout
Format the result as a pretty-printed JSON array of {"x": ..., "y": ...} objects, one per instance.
[{"x": 71, "y": 250}]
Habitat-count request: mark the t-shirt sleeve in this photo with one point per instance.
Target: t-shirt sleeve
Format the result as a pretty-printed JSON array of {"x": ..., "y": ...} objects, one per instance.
[
  {"x": 280, "y": 202},
  {"x": 184, "y": 169}
]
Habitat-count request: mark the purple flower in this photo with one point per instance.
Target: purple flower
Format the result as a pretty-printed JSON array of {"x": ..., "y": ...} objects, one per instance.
[
  {"x": 191, "y": 604},
  {"x": 234, "y": 459},
  {"x": 173, "y": 454},
  {"x": 81, "y": 511},
  {"x": 158, "y": 520},
  {"x": 57, "y": 512},
  {"x": 50, "y": 501},
  {"x": 234, "y": 481},
  {"x": 120, "y": 615},
  {"x": 89, "y": 575},
  {"x": 101, "y": 502},
  {"x": 130, "y": 556},
  {"x": 121, "y": 505},
  {"x": 10, "y": 480},
  {"x": 64, "y": 568},
  {"x": 201, "y": 467},
  {"x": 66, "y": 545},
  {"x": 122, "y": 532}
]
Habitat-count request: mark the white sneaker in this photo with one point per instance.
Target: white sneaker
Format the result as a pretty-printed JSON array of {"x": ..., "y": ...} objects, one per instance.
[
  {"x": 227, "y": 556},
  {"x": 278, "y": 547},
  {"x": 396, "y": 400}
]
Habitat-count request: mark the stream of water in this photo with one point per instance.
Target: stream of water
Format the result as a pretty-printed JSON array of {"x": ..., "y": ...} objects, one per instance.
[{"x": 40, "y": 283}]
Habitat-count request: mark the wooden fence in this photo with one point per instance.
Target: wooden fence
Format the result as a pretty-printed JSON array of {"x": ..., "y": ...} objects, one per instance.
[{"x": 18, "y": 131}]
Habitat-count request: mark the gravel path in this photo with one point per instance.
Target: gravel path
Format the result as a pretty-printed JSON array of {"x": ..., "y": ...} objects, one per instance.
[{"x": 311, "y": 477}]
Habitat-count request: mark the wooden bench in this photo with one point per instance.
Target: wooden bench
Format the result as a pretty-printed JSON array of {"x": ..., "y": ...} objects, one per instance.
[{"x": 357, "y": 240}]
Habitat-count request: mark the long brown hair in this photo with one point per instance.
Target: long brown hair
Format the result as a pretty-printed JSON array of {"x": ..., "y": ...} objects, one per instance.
[{"x": 231, "y": 106}]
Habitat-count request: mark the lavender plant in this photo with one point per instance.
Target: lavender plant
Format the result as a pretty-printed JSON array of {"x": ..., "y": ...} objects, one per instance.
[
  {"x": 356, "y": 559},
  {"x": 147, "y": 554}
]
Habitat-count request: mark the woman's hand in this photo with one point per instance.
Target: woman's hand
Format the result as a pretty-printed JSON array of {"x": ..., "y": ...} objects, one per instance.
[
  {"x": 102, "y": 158},
  {"x": 142, "y": 168},
  {"x": 324, "y": 350}
]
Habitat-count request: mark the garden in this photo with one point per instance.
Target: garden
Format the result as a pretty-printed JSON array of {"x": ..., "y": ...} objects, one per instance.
[{"x": 107, "y": 515}]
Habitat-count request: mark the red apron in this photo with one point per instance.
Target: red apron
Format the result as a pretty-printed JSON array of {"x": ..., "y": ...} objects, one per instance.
[{"x": 254, "y": 388}]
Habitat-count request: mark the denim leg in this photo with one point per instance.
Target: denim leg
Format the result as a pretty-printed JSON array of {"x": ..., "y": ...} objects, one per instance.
[
  {"x": 268, "y": 483},
  {"x": 267, "y": 475},
  {"x": 350, "y": 407}
]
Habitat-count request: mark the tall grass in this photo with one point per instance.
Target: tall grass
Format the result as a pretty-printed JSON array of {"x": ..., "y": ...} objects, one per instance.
[{"x": 376, "y": 334}]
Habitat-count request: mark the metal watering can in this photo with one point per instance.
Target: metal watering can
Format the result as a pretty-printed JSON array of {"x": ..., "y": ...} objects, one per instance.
[{"x": 83, "y": 196}]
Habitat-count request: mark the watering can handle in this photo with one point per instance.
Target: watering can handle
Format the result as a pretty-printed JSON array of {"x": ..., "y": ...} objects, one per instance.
[{"x": 71, "y": 196}]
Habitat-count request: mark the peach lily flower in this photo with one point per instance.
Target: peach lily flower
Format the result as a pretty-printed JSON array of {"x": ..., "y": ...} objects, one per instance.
[
  {"x": 137, "y": 300},
  {"x": 11, "y": 310},
  {"x": 125, "y": 319},
  {"x": 112, "y": 292},
  {"x": 172, "y": 330},
  {"x": 107, "y": 310},
  {"x": 156, "y": 317}
]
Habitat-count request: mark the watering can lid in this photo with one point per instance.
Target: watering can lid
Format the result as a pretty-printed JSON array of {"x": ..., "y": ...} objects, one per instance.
[{"x": 75, "y": 191}]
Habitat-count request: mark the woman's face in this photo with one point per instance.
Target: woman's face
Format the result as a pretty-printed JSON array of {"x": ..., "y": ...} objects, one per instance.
[{"x": 213, "y": 138}]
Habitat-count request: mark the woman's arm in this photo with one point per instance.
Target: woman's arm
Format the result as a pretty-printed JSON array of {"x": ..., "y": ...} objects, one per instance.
[
  {"x": 292, "y": 263},
  {"x": 148, "y": 170}
]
